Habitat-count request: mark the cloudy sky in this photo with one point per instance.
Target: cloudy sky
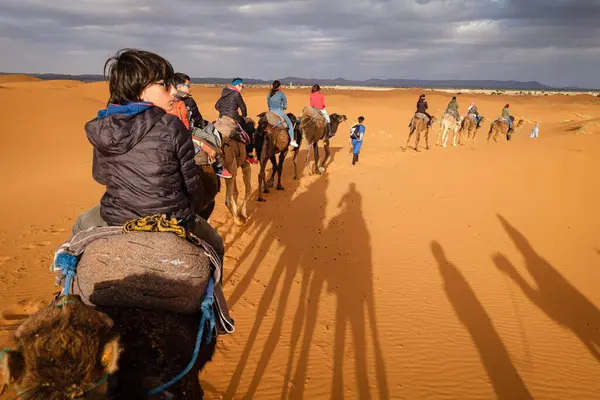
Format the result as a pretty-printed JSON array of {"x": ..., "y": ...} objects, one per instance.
[{"x": 556, "y": 42}]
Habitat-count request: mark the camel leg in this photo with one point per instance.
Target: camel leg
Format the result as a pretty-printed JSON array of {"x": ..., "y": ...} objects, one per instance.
[
  {"x": 247, "y": 175},
  {"x": 410, "y": 133},
  {"x": 417, "y": 139},
  {"x": 280, "y": 169},
  {"x": 262, "y": 188},
  {"x": 327, "y": 154},
  {"x": 229, "y": 198},
  {"x": 294, "y": 163},
  {"x": 316, "y": 149},
  {"x": 308, "y": 162},
  {"x": 427, "y": 139},
  {"x": 274, "y": 164}
]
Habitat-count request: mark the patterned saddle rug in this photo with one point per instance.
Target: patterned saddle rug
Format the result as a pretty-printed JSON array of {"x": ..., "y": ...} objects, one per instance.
[{"x": 422, "y": 116}]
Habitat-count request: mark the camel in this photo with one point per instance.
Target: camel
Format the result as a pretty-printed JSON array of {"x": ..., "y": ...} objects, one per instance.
[
  {"x": 501, "y": 127},
  {"x": 469, "y": 125},
  {"x": 234, "y": 157},
  {"x": 71, "y": 349},
  {"x": 419, "y": 125},
  {"x": 271, "y": 138},
  {"x": 448, "y": 123},
  {"x": 313, "y": 127}
]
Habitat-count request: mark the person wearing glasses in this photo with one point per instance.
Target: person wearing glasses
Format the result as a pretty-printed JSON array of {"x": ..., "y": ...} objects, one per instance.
[
  {"x": 186, "y": 109},
  {"x": 143, "y": 155}
]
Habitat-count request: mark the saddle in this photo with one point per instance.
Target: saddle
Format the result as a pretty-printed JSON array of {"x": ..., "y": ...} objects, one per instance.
[
  {"x": 472, "y": 117},
  {"x": 229, "y": 128},
  {"x": 505, "y": 121},
  {"x": 275, "y": 120},
  {"x": 422, "y": 116},
  {"x": 313, "y": 112}
]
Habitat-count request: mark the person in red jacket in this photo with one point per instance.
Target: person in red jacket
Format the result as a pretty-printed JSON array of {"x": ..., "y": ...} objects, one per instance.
[{"x": 317, "y": 100}]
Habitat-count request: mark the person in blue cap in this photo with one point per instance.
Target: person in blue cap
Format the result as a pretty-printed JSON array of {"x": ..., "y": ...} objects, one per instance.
[{"x": 228, "y": 104}]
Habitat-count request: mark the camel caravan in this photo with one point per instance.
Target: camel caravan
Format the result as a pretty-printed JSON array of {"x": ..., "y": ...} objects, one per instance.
[{"x": 141, "y": 302}]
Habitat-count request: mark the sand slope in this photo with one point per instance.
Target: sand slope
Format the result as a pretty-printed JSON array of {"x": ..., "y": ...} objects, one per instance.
[{"x": 459, "y": 273}]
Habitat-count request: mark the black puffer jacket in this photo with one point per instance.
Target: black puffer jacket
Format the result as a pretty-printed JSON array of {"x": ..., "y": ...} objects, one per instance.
[
  {"x": 229, "y": 102},
  {"x": 146, "y": 162},
  {"x": 422, "y": 106}
]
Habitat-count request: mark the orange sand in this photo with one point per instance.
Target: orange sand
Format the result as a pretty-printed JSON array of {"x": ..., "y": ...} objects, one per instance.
[{"x": 458, "y": 273}]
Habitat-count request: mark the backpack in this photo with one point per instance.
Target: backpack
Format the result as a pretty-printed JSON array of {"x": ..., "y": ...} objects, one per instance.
[{"x": 355, "y": 132}]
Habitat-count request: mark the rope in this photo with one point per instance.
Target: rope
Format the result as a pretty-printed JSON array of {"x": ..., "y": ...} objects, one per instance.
[
  {"x": 68, "y": 266},
  {"x": 207, "y": 316}
]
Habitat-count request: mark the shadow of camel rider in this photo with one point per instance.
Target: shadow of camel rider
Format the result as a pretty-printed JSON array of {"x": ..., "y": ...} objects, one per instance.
[
  {"x": 421, "y": 108},
  {"x": 228, "y": 104}
]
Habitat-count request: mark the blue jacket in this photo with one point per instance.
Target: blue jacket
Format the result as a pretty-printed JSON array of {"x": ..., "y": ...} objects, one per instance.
[{"x": 277, "y": 101}]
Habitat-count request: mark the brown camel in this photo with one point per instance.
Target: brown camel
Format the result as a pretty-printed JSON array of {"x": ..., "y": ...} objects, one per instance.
[
  {"x": 71, "y": 350},
  {"x": 501, "y": 127},
  {"x": 469, "y": 127},
  {"x": 234, "y": 157},
  {"x": 312, "y": 126},
  {"x": 448, "y": 123},
  {"x": 271, "y": 138},
  {"x": 419, "y": 125}
]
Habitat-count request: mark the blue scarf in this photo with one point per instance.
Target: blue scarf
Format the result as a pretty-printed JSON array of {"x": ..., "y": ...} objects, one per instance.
[{"x": 133, "y": 108}]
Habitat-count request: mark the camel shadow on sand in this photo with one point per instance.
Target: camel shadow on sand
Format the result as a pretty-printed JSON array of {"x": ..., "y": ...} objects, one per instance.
[
  {"x": 504, "y": 377},
  {"x": 343, "y": 268},
  {"x": 554, "y": 294}
]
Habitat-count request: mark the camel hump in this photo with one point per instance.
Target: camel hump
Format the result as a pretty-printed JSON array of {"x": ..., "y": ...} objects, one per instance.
[
  {"x": 311, "y": 111},
  {"x": 150, "y": 270},
  {"x": 274, "y": 119}
]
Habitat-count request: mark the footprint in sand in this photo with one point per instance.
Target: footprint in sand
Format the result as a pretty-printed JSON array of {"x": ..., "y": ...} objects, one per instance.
[
  {"x": 4, "y": 259},
  {"x": 32, "y": 246},
  {"x": 21, "y": 310}
]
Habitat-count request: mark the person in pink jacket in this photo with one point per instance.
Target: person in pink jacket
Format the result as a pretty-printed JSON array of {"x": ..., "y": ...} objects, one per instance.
[{"x": 317, "y": 100}]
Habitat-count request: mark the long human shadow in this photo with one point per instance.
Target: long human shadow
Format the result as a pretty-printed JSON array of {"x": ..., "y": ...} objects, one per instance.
[
  {"x": 554, "y": 294},
  {"x": 346, "y": 270},
  {"x": 504, "y": 376},
  {"x": 305, "y": 215}
]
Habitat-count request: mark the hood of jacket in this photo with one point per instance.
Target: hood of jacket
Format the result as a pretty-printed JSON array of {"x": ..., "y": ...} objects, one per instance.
[{"x": 118, "y": 128}]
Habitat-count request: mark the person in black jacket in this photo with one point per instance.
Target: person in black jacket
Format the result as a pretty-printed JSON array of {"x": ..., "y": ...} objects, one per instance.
[
  {"x": 422, "y": 108},
  {"x": 228, "y": 104},
  {"x": 144, "y": 156}
]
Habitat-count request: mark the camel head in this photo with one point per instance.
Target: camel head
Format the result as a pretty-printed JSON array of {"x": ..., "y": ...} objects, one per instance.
[
  {"x": 336, "y": 120},
  {"x": 520, "y": 123},
  {"x": 64, "y": 351}
]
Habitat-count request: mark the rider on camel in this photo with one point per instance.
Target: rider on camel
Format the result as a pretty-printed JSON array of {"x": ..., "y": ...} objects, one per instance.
[
  {"x": 422, "y": 108},
  {"x": 228, "y": 104},
  {"x": 317, "y": 100},
  {"x": 452, "y": 109},
  {"x": 473, "y": 110},
  {"x": 506, "y": 116}
]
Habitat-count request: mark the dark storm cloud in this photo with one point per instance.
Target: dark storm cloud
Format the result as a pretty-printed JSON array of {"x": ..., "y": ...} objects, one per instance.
[{"x": 556, "y": 42}]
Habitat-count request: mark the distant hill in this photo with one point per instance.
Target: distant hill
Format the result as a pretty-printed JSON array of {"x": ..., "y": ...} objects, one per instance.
[
  {"x": 10, "y": 78},
  {"x": 396, "y": 83}
]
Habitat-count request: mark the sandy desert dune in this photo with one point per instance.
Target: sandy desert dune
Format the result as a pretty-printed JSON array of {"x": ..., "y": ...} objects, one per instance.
[{"x": 458, "y": 273}]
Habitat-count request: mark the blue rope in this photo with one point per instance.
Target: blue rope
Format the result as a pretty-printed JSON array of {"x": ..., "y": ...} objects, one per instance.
[
  {"x": 207, "y": 315},
  {"x": 68, "y": 265}
]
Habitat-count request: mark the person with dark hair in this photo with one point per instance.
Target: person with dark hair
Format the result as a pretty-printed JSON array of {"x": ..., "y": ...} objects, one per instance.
[
  {"x": 506, "y": 116},
  {"x": 422, "y": 108},
  {"x": 143, "y": 155},
  {"x": 452, "y": 109},
  {"x": 228, "y": 104},
  {"x": 356, "y": 136},
  {"x": 277, "y": 103},
  {"x": 181, "y": 90},
  {"x": 317, "y": 100}
]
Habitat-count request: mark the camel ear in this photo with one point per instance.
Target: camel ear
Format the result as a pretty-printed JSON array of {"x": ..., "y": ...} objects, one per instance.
[
  {"x": 110, "y": 356},
  {"x": 12, "y": 366}
]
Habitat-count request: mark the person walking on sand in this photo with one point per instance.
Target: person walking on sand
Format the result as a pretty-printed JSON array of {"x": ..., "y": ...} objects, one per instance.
[
  {"x": 357, "y": 134},
  {"x": 317, "y": 100},
  {"x": 535, "y": 132},
  {"x": 277, "y": 103}
]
